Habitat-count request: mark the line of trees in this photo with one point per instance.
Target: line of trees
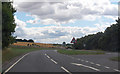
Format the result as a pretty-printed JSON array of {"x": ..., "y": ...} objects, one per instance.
[
  {"x": 24, "y": 40},
  {"x": 107, "y": 40}
]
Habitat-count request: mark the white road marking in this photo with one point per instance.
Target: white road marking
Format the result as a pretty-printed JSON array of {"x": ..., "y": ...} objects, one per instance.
[
  {"x": 82, "y": 60},
  {"x": 47, "y": 56},
  {"x": 107, "y": 67},
  {"x": 66, "y": 70},
  {"x": 86, "y": 61},
  {"x": 15, "y": 63},
  {"x": 53, "y": 61},
  {"x": 86, "y": 66},
  {"x": 55, "y": 50},
  {"x": 91, "y": 62},
  {"x": 98, "y": 64},
  {"x": 116, "y": 70}
]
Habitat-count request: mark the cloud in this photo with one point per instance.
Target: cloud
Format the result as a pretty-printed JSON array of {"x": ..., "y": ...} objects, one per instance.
[
  {"x": 65, "y": 12},
  {"x": 53, "y": 34}
]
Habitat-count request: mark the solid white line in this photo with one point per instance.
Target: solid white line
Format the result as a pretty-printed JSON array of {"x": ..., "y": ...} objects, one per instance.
[
  {"x": 98, "y": 64},
  {"x": 47, "y": 56},
  {"x": 107, "y": 67},
  {"x": 15, "y": 63},
  {"x": 66, "y": 70},
  {"x": 116, "y": 70},
  {"x": 53, "y": 61},
  {"x": 86, "y": 66}
]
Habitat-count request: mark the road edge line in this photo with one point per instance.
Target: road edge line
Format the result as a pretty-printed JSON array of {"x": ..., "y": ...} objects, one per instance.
[
  {"x": 66, "y": 70},
  {"x": 15, "y": 63}
]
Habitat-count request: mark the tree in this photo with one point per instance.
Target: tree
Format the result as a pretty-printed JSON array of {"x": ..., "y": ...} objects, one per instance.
[
  {"x": 30, "y": 40},
  {"x": 108, "y": 40},
  {"x": 8, "y": 24}
]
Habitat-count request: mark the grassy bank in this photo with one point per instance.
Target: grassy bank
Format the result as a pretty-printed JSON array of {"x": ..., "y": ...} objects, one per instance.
[
  {"x": 115, "y": 58},
  {"x": 74, "y": 52},
  {"x": 12, "y": 52}
]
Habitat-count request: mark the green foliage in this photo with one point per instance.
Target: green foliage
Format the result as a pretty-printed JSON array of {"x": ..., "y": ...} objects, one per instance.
[
  {"x": 8, "y": 24},
  {"x": 107, "y": 41},
  {"x": 75, "y": 52}
]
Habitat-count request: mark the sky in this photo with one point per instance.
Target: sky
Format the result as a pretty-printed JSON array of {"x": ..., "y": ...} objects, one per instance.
[{"x": 58, "y": 21}]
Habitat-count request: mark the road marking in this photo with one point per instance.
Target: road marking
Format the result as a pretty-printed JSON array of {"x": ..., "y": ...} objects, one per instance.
[
  {"x": 82, "y": 60},
  {"x": 86, "y": 61},
  {"x": 55, "y": 50},
  {"x": 86, "y": 66},
  {"x": 15, "y": 63},
  {"x": 53, "y": 61},
  {"x": 91, "y": 62},
  {"x": 66, "y": 70},
  {"x": 98, "y": 64},
  {"x": 107, "y": 67},
  {"x": 116, "y": 70},
  {"x": 47, "y": 56}
]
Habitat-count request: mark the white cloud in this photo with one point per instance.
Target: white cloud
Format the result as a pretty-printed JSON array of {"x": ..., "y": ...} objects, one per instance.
[
  {"x": 65, "y": 12},
  {"x": 52, "y": 34},
  {"x": 62, "y": 13}
]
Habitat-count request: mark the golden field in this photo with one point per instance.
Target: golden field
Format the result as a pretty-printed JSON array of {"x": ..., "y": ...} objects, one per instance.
[{"x": 32, "y": 44}]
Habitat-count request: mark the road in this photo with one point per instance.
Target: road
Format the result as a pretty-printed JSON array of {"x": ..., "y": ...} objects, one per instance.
[{"x": 52, "y": 61}]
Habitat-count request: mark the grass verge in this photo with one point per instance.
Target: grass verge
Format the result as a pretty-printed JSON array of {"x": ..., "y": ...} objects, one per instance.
[
  {"x": 74, "y": 52},
  {"x": 115, "y": 58},
  {"x": 12, "y": 52}
]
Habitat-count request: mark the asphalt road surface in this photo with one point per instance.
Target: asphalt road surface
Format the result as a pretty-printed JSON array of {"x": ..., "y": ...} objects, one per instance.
[{"x": 52, "y": 61}]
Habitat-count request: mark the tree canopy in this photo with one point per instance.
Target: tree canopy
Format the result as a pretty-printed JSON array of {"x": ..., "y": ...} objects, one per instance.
[
  {"x": 107, "y": 40},
  {"x": 8, "y": 24}
]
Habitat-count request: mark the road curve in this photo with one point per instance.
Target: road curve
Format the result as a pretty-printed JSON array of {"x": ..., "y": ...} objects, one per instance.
[{"x": 52, "y": 61}]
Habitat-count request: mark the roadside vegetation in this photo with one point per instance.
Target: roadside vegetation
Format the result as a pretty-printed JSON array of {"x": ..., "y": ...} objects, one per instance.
[
  {"x": 107, "y": 40},
  {"x": 81, "y": 52},
  {"x": 115, "y": 58},
  {"x": 14, "y": 51}
]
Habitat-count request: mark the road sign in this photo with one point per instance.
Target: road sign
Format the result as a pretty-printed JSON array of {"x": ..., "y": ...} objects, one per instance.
[{"x": 73, "y": 40}]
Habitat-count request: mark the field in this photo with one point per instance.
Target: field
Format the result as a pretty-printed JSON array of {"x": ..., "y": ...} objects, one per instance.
[{"x": 33, "y": 44}]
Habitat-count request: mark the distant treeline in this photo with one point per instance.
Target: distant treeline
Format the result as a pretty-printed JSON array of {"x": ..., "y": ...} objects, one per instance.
[
  {"x": 107, "y": 40},
  {"x": 24, "y": 40}
]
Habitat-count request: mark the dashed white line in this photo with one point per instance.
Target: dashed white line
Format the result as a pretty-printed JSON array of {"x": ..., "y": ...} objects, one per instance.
[
  {"x": 91, "y": 62},
  {"x": 82, "y": 60},
  {"x": 86, "y": 66},
  {"x": 98, "y": 64},
  {"x": 15, "y": 63},
  {"x": 116, "y": 70},
  {"x": 53, "y": 61},
  {"x": 107, "y": 67},
  {"x": 66, "y": 70}
]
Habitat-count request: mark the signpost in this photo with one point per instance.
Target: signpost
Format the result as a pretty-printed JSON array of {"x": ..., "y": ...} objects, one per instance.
[{"x": 73, "y": 40}]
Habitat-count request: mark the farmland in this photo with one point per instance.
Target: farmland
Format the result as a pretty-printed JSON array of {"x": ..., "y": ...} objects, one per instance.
[{"x": 33, "y": 44}]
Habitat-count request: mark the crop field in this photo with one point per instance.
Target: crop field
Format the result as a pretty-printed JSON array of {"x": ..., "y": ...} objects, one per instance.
[{"x": 33, "y": 44}]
